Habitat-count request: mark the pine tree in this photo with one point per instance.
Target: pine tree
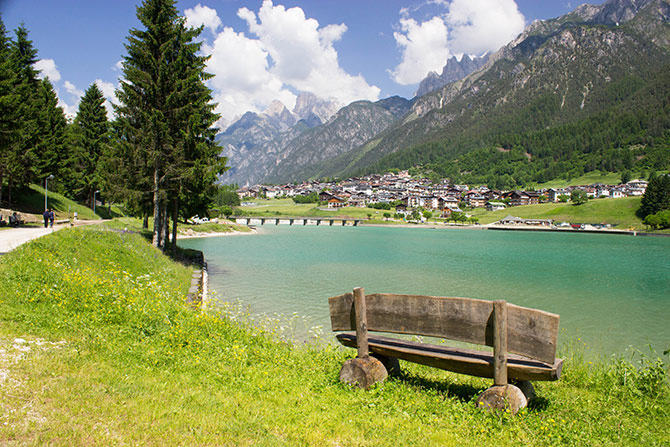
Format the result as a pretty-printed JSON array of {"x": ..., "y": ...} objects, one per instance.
[
  {"x": 90, "y": 135},
  {"x": 21, "y": 152},
  {"x": 656, "y": 197},
  {"x": 49, "y": 149},
  {"x": 165, "y": 117},
  {"x": 9, "y": 105}
]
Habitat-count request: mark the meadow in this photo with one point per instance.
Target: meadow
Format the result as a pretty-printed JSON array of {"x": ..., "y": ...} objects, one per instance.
[{"x": 97, "y": 347}]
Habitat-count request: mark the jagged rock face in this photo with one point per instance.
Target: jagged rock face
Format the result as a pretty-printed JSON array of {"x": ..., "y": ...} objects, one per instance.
[
  {"x": 308, "y": 105},
  {"x": 261, "y": 148},
  {"x": 349, "y": 128},
  {"x": 398, "y": 106},
  {"x": 454, "y": 70}
]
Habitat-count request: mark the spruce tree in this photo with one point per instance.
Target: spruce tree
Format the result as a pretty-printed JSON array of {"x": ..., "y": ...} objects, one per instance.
[
  {"x": 49, "y": 149},
  {"x": 90, "y": 134},
  {"x": 22, "y": 158},
  {"x": 165, "y": 117},
  {"x": 9, "y": 105}
]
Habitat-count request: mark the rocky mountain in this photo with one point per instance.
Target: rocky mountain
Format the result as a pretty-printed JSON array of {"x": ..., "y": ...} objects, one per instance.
[
  {"x": 350, "y": 127},
  {"x": 454, "y": 70},
  {"x": 556, "y": 72},
  {"x": 278, "y": 145},
  {"x": 255, "y": 142}
]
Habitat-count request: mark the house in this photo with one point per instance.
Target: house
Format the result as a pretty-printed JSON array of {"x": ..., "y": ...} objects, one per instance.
[
  {"x": 475, "y": 200},
  {"x": 495, "y": 206},
  {"x": 517, "y": 198},
  {"x": 336, "y": 202},
  {"x": 554, "y": 194},
  {"x": 618, "y": 193},
  {"x": 533, "y": 197},
  {"x": 511, "y": 220}
]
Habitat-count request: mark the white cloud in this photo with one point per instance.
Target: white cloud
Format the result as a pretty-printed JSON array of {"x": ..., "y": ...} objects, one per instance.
[
  {"x": 289, "y": 54},
  {"x": 467, "y": 26},
  {"x": 47, "y": 68},
  {"x": 108, "y": 89},
  {"x": 118, "y": 66},
  {"x": 478, "y": 26},
  {"x": 72, "y": 89},
  {"x": 202, "y": 15},
  {"x": 424, "y": 49},
  {"x": 242, "y": 81}
]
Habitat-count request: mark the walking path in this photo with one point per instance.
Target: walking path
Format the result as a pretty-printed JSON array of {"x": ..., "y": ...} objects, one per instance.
[{"x": 13, "y": 237}]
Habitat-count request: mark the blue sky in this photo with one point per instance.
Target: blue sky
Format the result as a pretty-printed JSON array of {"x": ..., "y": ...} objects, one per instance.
[{"x": 267, "y": 50}]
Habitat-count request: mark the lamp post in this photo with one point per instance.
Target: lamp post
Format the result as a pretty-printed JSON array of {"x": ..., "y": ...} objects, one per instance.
[
  {"x": 46, "y": 189},
  {"x": 94, "y": 200}
]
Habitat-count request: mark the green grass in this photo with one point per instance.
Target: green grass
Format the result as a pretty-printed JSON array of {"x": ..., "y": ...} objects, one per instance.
[
  {"x": 115, "y": 357},
  {"x": 620, "y": 213},
  {"x": 32, "y": 202},
  {"x": 287, "y": 208}
]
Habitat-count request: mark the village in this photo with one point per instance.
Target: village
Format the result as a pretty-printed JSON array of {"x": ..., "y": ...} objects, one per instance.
[{"x": 443, "y": 199}]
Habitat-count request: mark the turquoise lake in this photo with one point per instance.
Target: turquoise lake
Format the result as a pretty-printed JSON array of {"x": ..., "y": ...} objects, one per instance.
[{"x": 612, "y": 292}]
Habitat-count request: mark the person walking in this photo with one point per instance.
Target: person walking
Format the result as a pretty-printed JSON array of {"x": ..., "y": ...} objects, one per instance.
[
  {"x": 46, "y": 215},
  {"x": 52, "y": 216}
]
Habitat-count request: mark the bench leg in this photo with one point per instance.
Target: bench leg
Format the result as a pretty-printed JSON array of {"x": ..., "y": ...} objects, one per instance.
[
  {"x": 502, "y": 398},
  {"x": 526, "y": 388},
  {"x": 363, "y": 372},
  {"x": 391, "y": 364}
]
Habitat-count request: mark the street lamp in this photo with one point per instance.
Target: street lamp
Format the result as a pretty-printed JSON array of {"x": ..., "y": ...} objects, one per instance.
[
  {"x": 46, "y": 189},
  {"x": 94, "y": 200}
]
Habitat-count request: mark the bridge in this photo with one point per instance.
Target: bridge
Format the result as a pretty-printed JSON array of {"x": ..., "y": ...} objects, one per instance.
[{"x": 326, "y": 221}]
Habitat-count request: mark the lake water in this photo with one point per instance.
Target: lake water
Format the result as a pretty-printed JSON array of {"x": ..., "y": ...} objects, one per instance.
[{"x": 611, "y": 291}]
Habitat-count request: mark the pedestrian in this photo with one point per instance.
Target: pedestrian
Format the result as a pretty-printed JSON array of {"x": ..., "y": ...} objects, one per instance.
[
  {"x": 52, "y": 216},
  {"x": 46, "y": 215}
]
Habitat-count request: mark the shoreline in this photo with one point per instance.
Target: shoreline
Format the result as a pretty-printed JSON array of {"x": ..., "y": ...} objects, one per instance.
[
  {"x": 216, "y": 234},
  {"x": 440, "y": 226}
]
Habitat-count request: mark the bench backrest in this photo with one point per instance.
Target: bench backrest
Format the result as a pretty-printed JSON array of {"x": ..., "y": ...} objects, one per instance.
[{"x": 530, "y": 332}]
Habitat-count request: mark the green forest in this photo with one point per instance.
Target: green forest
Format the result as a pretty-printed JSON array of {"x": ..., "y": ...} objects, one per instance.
[
  {"x": 157, "y": 156},
  {"x": 632, "y": 134}
]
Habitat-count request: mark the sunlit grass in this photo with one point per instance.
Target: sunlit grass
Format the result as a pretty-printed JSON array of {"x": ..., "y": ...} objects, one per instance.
[
  {"x": 620, "y": 213},
  {"x": 115, "y": 357}
]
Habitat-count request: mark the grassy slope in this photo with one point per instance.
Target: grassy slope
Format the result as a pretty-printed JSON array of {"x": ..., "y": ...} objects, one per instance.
[
  {"x": 618, "y": 212},
  {"x": 116, "y": 358},
  {"x": 33, "y": 202},
  {"x": 286, "y": 207}
]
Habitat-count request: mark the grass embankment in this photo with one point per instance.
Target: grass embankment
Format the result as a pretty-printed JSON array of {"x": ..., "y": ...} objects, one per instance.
[
  {"x": 135, "y": 225},
  {"x": 287, "y": 208},
  {"x": 112, "y": 356},
  {"x": 31, "y": 202},
  {"x": 618, "y": 212}
]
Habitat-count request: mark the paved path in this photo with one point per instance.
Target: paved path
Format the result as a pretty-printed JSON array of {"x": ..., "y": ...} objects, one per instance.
[{"x": 13, "y": 237}]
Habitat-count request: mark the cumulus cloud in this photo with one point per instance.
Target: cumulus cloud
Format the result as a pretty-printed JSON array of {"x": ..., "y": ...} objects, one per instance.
[
  {"x": 478, "y": 26},
  {"x": 202, "y": 15},
  {"x": 424, "y": 49},
  {"x": 107, "y": 89},
  {"x": 286, "y": 53},
  {"x": 466, "y": 26},
  {"x": 47, "y": 69}
]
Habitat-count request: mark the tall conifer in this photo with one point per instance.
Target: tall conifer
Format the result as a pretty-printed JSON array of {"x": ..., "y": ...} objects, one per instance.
[
  {"x": 165, "y": 117},
  {"x": 90, "y": 138}
]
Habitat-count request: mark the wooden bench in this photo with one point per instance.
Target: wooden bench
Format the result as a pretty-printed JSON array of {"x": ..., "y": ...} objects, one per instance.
[{"x": 529, "y": 335}]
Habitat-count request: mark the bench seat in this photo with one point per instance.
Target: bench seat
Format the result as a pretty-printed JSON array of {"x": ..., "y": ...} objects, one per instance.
[{"x": 459, "y": 360}]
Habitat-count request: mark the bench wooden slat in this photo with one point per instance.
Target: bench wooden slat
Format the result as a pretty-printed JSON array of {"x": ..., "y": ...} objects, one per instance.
[
  {"x": 459, "y": 360},
  {"x": 531, "y": 333}
]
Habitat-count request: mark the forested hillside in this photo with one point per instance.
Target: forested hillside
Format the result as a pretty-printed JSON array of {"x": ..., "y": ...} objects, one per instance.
[{"x": 570, "y": 95}]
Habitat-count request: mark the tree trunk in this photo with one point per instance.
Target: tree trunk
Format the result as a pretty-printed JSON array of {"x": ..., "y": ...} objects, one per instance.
[
  {"x": 157, "y": 213},
  {"x": 166, "y": 227},
  {"x": 175, "y": 210},
  {"x": 2, "y": 180},
  {"x": 145, "y": 222}
]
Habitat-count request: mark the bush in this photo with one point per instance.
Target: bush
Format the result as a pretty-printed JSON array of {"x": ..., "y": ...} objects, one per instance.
[{"x": 309, "y": 198}]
